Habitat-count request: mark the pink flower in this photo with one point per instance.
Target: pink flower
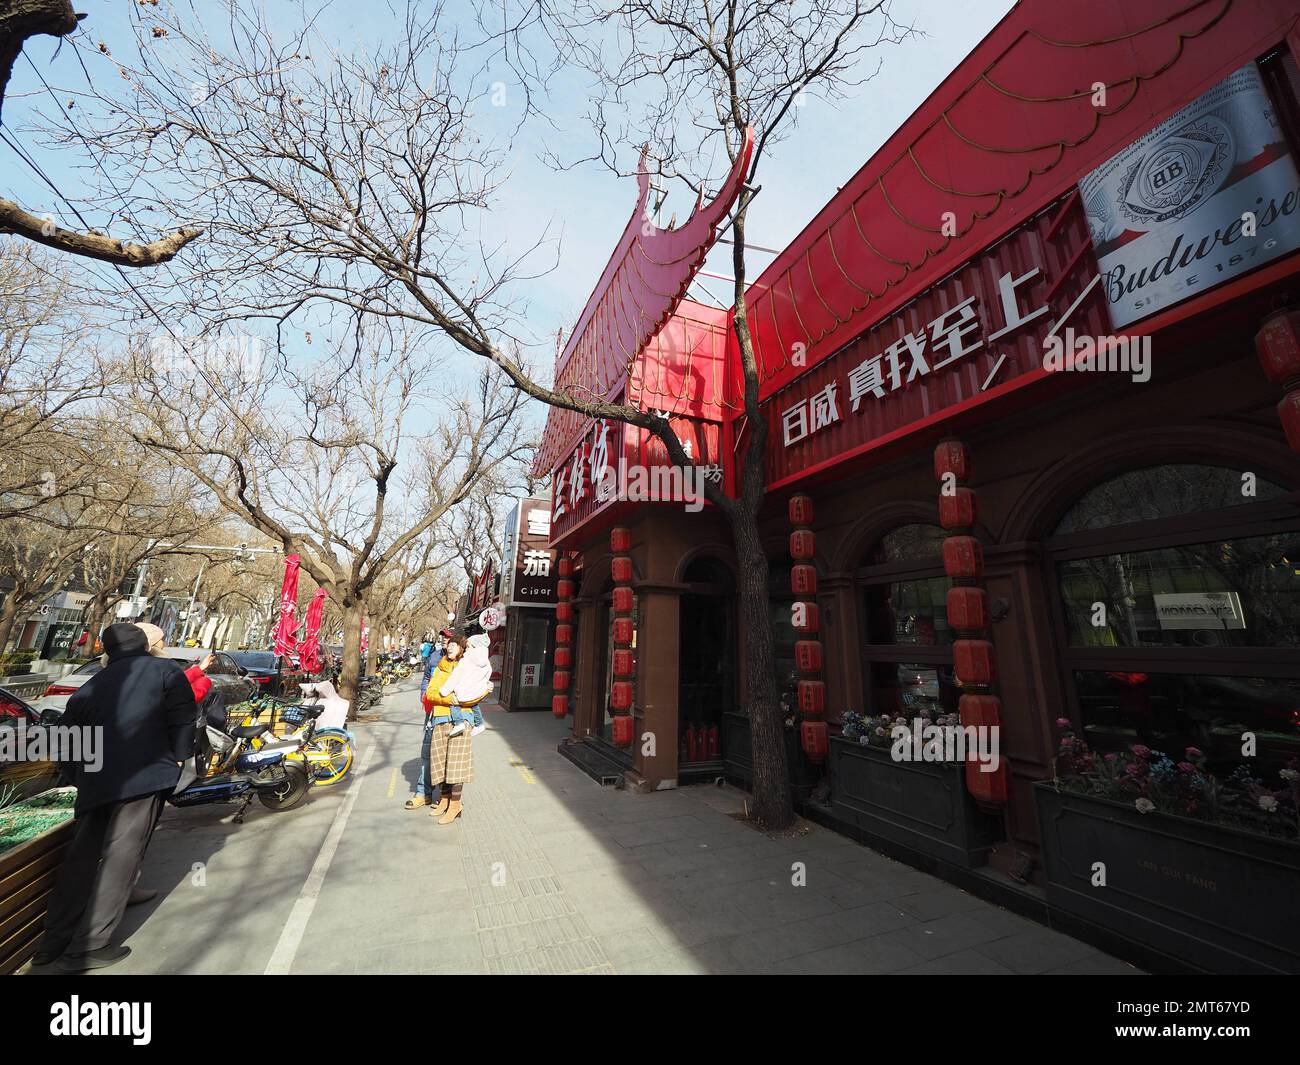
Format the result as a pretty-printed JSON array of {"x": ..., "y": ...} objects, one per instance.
[
  {"x": 1062, "y": 722},
  {"x": 1140, "y": 751},
  {"x": 1186, "y": 767},
  {"x": 1194, "y": 752}
]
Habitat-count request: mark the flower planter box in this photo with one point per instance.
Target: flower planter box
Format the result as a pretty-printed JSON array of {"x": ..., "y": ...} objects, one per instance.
[
  {"x": 738, "y": 758},
  {"x": 1215, "y": 897},
  {"x": 27, "y": 875},
  {"x": 920, "y": 805}
]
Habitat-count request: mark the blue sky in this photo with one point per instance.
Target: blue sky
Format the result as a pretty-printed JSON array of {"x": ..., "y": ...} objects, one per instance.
[{"x": 586, "y": 207}]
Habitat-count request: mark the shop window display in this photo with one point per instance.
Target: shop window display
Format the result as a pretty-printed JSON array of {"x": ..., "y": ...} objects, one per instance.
[
  {"x": 1176, "y": 638},
  {"x": 907, "y": 648}
]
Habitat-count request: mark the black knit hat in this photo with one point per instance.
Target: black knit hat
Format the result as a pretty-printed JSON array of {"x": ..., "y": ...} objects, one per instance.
[{"x": 124, "y": 638}]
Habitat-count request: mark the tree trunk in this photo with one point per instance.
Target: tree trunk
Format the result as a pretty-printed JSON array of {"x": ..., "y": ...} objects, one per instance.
[
  {"x": 372, "y": 650},
  {"x": 352, "y": 612},
  {"x": 8, "y": 615},
  {"x": 771, "y": 785}
]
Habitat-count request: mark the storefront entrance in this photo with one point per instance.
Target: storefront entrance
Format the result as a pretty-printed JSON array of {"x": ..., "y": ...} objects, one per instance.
[{"x": 707, "y": 667}]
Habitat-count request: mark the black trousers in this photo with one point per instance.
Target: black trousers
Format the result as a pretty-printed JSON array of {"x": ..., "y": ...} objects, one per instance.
[{"x": 98, "y": 872}]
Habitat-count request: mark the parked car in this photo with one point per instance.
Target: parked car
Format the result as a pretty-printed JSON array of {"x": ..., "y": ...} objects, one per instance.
[
  {"x": 262, "y": 667},
  {"x": 28, "y": 778},
  {"x": 227, "y": 677}
]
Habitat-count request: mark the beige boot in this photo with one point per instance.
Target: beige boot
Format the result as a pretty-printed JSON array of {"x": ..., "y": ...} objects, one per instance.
[
  {"x": 440, "y": 807},
  {"x": 453, "y": 812}
]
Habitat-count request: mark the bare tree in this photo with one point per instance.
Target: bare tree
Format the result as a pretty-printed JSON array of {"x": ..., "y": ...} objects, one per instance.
[
  {"x": 308, "y": 454},
  {"x": 356, "y": 181},
  {"x": 20, "y": 21},
  {"x": 49, "y": 375}
]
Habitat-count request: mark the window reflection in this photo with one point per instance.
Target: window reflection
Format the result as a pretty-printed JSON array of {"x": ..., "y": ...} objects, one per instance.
[{"x": 1233, "y": 593}]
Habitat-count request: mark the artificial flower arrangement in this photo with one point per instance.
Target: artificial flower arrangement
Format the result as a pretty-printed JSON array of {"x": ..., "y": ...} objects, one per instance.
[
  {"x": 878, "y": 731},
  {"x": 1153, "y": 782}
]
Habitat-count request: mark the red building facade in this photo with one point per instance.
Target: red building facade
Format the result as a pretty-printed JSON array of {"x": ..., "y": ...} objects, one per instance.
[{"x": 1018, "y": 522}]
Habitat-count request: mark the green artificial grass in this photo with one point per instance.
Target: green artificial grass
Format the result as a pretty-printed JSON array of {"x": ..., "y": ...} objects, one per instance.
[{"x": 28, "y": 819}]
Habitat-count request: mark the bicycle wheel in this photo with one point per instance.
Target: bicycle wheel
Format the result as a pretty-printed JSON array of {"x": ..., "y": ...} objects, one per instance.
[
  {"x": 329, "y": 757},
  {"x": 289, "y": 792}
]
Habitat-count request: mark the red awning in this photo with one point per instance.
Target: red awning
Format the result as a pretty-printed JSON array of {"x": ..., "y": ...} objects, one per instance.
[
  {"x": 643, "y": 283},
  {"x": 1006, "y": 133}
]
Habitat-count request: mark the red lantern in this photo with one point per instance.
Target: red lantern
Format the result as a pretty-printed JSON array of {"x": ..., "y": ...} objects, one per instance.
[
  {"x": 563, "y": 657},
  {"x": 963, "y": 556},
  {"x": 1278, "y": 347},
  {"x": 801, "y": 510},
  {"x": 968, "y": 609},
  {"x": 624, "y": 663},
  {"x": 623, "y": 728},
  {"x": 803, "y": 545},
  {"x": 563, "y": 611},
  {"x": 957, "y": 511},
  {"x": 624, "y": 600},
  {"x": 812, "y": 698},
  {"x": 987, "y": 788},
  {"x": 564, "y": 590},
  {"x": 1289, "y": 413},
  {"x": 560, "y": 682},
  {"x": 622, "y": 632},
  {"x": 815, "y": 740},
  {"x": 972, "y": 660},
  {"x": 620, "y": 569},
  {"x": 559, "y": 705},
  {"x": 803, "y": 580},
  {"x": 805, "y": 617},
  {"x": 565, "y": 566},
  {"x": 620, "y": 696},
  {"x": 563, "y": 635},
  {"x": 808, "y": 656},
  {"x": 952, "y": 456},
  {"x": 980, "y": 710},
  {"x": 620, "y": 540}
]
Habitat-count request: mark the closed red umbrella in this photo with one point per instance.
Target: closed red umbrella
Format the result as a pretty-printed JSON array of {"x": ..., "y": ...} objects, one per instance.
[
  {"x": 286, "y": 628},
  {"x": 309, "y": 652}
]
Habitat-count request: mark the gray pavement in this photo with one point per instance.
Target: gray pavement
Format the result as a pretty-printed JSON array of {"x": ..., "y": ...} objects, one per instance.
[{"x": 547, "y": 872}]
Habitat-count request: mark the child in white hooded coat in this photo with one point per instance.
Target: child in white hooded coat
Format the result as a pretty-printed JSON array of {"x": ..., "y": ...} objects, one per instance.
[{"x": 469, "y": 683}]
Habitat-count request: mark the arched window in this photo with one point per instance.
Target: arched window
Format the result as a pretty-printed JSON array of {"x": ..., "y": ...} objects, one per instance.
[
  {"x": 1179, "y": 612},
  {"x": 906, "y": 642}
]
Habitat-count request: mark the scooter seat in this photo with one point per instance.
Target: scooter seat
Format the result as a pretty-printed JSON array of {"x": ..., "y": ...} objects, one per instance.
[{"x": 248, "y": 732}]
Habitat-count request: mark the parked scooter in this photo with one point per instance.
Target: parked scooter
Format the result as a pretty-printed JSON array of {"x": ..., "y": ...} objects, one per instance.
[{"x": 242, "y": 773}]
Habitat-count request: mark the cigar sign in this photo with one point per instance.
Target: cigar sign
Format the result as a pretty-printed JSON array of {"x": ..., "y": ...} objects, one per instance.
[
  {"x": 530, "y": 575},
  {"x": 1210, "y": 193}
]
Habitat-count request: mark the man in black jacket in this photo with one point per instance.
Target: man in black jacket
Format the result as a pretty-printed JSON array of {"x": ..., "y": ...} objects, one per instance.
[{"x": 146, "y": 711}]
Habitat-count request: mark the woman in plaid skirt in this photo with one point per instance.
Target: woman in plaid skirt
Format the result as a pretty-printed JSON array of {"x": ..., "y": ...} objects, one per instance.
[{"x": 451, "y": 758}]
